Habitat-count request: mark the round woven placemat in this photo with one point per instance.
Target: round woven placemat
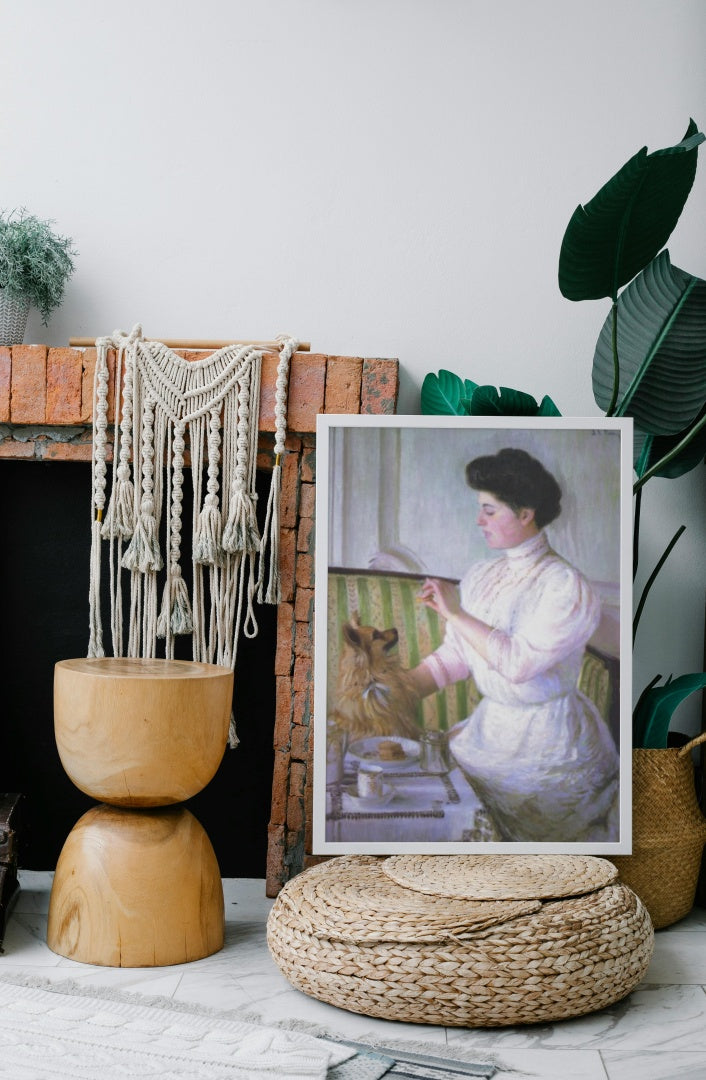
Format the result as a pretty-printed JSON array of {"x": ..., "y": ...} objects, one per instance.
[
  {"x": 360, "y": 903},
  {"x": 500, "y": 877}
]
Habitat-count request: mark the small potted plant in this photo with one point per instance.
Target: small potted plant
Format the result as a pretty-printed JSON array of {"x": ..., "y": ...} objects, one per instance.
[{"x": 35, "y": 264}]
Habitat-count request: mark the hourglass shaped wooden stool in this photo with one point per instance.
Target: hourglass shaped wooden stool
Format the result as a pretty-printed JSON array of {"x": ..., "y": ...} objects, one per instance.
[{"x": 137, "y": 883}]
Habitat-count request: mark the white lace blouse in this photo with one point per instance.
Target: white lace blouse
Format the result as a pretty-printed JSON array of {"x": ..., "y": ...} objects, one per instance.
[{"x": 536, "y": 750}]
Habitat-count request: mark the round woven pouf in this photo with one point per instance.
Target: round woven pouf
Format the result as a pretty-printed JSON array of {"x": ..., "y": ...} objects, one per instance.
[{"x": 348, "y": 933}]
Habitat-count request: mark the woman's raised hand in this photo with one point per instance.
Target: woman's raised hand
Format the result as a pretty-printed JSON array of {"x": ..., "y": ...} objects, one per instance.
[{"x": 440, "y": 596}]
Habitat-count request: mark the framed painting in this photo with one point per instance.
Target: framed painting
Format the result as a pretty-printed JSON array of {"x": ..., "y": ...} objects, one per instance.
[{"x": 472, "y": 639}]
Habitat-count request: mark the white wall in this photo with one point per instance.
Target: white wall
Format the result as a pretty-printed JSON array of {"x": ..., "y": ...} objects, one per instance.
[{"x": 382, "y": 177}]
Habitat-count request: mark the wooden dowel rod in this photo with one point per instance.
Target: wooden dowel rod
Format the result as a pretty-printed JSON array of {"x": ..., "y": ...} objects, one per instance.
[{"x": 173, "y": 343}]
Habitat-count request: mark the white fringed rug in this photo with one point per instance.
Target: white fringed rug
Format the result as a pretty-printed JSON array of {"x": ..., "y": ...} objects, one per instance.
[{"x": 63, "y": 1031}]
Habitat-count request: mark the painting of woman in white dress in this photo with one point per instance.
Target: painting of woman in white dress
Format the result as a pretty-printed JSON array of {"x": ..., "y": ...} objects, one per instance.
[
  {"x": 472, "y": 675},
  {"x": 536, "y": 750}
]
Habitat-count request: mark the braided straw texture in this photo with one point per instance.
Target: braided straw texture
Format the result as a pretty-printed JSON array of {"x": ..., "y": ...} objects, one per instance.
[
  {"x": 501, "y": 877},
  {"x": 571, "y": 957},
  {"x": 669, "y": 832},
  {"x": 360, "y": 903}
]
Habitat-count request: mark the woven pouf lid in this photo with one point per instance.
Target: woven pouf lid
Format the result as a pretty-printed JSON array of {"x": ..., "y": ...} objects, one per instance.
[
  {"x": 360, "y": 903},
  {"x": 500, "y": 877}
]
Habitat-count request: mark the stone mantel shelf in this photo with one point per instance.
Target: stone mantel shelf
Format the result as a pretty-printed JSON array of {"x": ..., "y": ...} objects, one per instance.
[{"x": 46, "y": 396}]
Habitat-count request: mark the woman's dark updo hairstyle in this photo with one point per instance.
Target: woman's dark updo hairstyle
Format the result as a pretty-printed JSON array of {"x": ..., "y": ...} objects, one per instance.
[{"x": 519, "y": 480}]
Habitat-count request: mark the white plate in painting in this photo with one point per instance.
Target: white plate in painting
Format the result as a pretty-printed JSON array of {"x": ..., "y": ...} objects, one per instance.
[{"x": 367, "y": 750}]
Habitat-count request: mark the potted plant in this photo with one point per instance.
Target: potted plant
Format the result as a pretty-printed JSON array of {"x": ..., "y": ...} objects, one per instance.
[
  {"x": 649, "y": 364},
  {"x": 35, "y": 264}
]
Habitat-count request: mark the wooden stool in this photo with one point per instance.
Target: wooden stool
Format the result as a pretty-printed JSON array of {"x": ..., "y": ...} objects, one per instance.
[{"x": 138, "y": 886}]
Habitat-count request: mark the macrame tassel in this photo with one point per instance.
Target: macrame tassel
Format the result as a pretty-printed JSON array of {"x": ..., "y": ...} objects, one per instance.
[
  {"x": 208, "y": 549},
  {"x": 208, "y": 540},
  {"x": 120, "y": 517},
  {"x": 95, "y": 639},
  {"x": 241, "y": 532},
  {"x": 143, "y": 552},
  {"x": 175, "y": 614},
  {"x": 273, "y": 593}
]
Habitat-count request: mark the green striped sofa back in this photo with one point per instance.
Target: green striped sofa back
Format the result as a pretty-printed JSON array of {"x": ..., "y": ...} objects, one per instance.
[{"x": 384, "y": 600}]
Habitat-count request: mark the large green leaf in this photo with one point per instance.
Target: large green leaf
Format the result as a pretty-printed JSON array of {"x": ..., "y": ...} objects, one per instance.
[
  {"x": 491, "y": 401},
  {"x": 654, "y": 711},
  {"x": 649, "y": 450},
  {"x": 446, "y": 394},
  {"x": 610, "y": 239},
  {"x": 661, "y": 343}
]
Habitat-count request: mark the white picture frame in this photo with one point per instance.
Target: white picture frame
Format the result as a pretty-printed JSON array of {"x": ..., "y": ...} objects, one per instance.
[{"x": 394, "y": 509}]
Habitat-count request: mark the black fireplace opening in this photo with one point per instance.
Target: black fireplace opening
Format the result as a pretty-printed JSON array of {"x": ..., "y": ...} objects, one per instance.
[{"x": 44, "y": 562}]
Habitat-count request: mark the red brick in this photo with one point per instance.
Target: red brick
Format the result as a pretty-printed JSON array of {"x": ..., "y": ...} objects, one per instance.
[
  {"x": 88, "y": 372},
  {"x": 64, "y": 378},
  {"x": 12, "y": 448},
  {"x": 306, "y": 392},
  {"x": 301, "y": 710},
  {"x": 287, "y": 562},
  {"x": 343, "y": 383},
  {"x": 303, "y": 644},
  {"x": 306, "y": 535},
  {"x": 28, "y": 384},
  {"x": 380, "y": 386},
  {"x": 302, "y": 674},
  {"x": 308, "y": 464},
  {"x": 280, "y": 788},
  {"x": 307, "y": 500},
  {"x": 304, "y": 605},
  {"x": 292, "y": 444},
  {"x": 300, "y": 738},
  {"x": 305, "y": 571},
  {"x": 283, "y": 713},
  {"x": 284, "y": 652},
  {"x": 297, "y": 779},
  {"x": 53, "y": 451},
  {"x": 289, "y": 499},
  {"x": 308, "y": 810},
  {"x": 307, "y": 384},
  {"x": 295, "y": 814},
  {"x": 5, "y": 374},
  {"x": 275, "y": 860}
]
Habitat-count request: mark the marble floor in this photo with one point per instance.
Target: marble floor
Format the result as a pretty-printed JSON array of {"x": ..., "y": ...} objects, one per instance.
[{"x": 658, "y": 1033}]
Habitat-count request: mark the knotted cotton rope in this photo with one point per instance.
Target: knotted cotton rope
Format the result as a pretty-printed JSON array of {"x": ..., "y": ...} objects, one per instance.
[
  {"x": 273, "y": 593},
  {"x": 164, "y": 404}
]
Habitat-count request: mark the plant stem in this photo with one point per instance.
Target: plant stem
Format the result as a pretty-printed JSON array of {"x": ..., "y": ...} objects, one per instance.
[
  {"x": 691, "y": 433},
  {"x": 636, "y": 533},
  {"x": 651, "y": 579},
  {"x": 616, "y": 366}
]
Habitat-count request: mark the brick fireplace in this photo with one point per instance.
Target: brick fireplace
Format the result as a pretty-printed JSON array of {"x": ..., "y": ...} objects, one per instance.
[{"x": 46, "y": 415}]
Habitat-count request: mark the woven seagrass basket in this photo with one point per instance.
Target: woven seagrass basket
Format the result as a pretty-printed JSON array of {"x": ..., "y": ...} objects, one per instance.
[
  {"x": 669, "y": 832},
  {"x": 348, "y": 933}
]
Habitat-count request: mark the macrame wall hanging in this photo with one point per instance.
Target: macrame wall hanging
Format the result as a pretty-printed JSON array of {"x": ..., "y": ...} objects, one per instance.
[{"x": 161, "y": 401}]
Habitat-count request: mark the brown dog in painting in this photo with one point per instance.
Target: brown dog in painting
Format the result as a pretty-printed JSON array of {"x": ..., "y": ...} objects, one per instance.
[{"x": 374, "y": 694}]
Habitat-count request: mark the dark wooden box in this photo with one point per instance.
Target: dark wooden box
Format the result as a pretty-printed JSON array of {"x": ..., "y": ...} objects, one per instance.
[{"x": 10, "y": 834}]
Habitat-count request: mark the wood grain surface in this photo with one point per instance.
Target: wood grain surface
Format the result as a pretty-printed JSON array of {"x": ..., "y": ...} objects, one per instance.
[{"x": 136, "y": 888}]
